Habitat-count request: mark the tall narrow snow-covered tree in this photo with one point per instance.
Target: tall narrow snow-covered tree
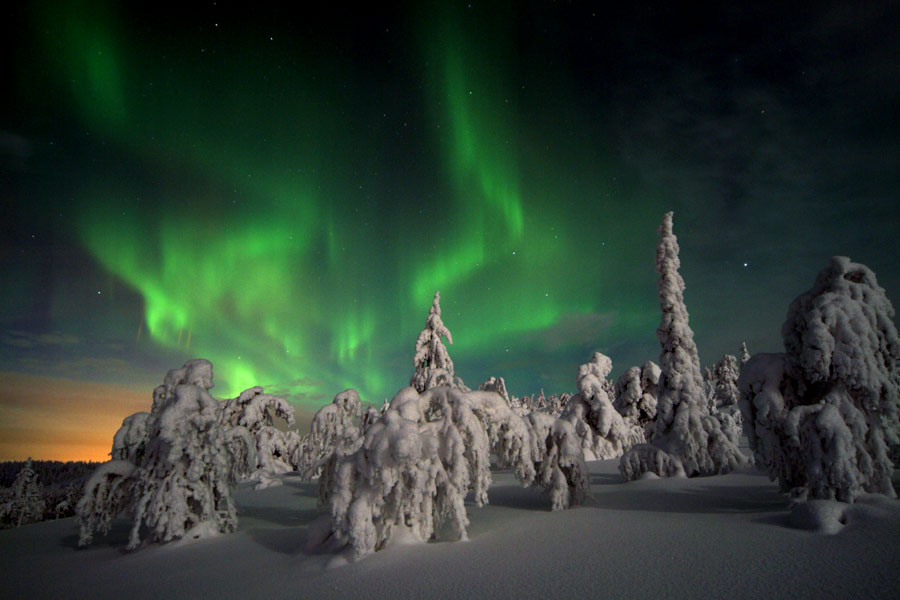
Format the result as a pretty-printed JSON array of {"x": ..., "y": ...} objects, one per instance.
[
  {"x": 432, "y": 362},
  {"x": 685, "y": 430},
  {"x": 822, "y": 417}
]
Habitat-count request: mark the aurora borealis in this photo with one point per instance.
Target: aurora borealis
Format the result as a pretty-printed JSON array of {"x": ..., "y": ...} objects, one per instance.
[{"x": 282, "y": 194}]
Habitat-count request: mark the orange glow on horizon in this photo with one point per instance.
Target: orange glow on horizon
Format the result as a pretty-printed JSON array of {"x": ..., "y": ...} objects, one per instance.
[{"x": 51, "y": 418}]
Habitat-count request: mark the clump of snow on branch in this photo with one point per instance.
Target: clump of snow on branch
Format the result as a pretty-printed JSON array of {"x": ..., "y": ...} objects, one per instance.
[
  {"x": 130, "y": 441},
  {"x": 181, "y": 485},
  {"x": 602, "y": 430},
  {"x": 822, "y": 418},
  {"x": 684, "y": 429},
  {"x": 433, "y": 366}
]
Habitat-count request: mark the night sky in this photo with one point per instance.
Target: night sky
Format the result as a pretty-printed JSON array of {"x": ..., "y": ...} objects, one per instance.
[{"x": 283, "y": 193}]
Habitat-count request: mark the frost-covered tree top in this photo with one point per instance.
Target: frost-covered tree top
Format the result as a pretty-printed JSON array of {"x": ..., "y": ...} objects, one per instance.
[{"x": 432, "y": 361}]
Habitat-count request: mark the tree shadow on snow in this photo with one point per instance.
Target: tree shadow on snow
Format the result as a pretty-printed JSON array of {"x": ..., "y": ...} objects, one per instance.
[
  {"x": 116, "y": 538},
  {"x": 284, "y": 516},
  {"x": 706, "y": 499},
  {"x": 289, "y": 541}
]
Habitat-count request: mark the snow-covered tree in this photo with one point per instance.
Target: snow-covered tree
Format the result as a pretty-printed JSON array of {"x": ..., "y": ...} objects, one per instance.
[
  {"x": 397, "y": 480},
  {"x": 432, "y": 361},
  {"x": 26, "y": 502},
  {"x": 559, "y": 460},
  {"x": 182, "y": 484},
  {"x": 684, "y": 427},
  {"x": 725, "y": 376},
  {"x": 602, "y": 430},
  {"x": 255, "y": 411},
  {"x": 495, "y": 384},
  {"x": 636, "y": 396},
  {"x": 822, "y": 418},
  {"x": 333, "y": 423}
]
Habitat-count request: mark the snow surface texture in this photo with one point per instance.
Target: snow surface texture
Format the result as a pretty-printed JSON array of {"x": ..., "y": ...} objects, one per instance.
[
  {"x": 182, "y": 484},
  {"x": 823, "y": 417},
  {"x": 685, "y": 429},
  {"x": 432, "y": 361},
  {"x": 725, "y": 536},
  {"x": 603, "y": 432}
]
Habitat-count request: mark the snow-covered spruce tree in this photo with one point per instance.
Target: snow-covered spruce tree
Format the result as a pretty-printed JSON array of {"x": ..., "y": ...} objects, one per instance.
[
  {"x": 26, "y": 504},
  {"x": 495, "y": 384},
  {"x": 602, "y": 430},
  {"x": 255, "y": 411},
  {"x": 725, "y": 376},
  {"x": 333, "y": 424},
  {"x": 182, "y": 484},
  {"x": 560, "y": 469},
  {"x": 407, "y": 474},
  {"x": 822, "y": 418},
  {"x": 685, "y": 430},
  {"x": 432, "y": 361},
  {"x": 636, "y": 396}
]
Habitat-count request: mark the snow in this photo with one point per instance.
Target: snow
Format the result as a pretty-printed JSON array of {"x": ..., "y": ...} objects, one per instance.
[{"x": 723, "y": 536}]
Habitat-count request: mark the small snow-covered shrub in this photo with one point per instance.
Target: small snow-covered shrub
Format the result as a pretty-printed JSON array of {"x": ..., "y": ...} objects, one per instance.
[
  {"x": 822, "y": 418},
  {"x": 603, "y": 432},
  {"x": 255, "y": 411},
  {"x": 559, "y": 460},
  {"x": 333, "y": 423}
]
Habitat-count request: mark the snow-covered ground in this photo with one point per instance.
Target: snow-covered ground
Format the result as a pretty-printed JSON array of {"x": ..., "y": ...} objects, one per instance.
[{"x": 712, "y": 537}]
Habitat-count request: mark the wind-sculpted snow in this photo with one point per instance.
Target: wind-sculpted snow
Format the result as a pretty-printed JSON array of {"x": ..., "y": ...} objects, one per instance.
[
  {"x": 685, "y": 427},
  {"x": 823, "y": 417}
]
